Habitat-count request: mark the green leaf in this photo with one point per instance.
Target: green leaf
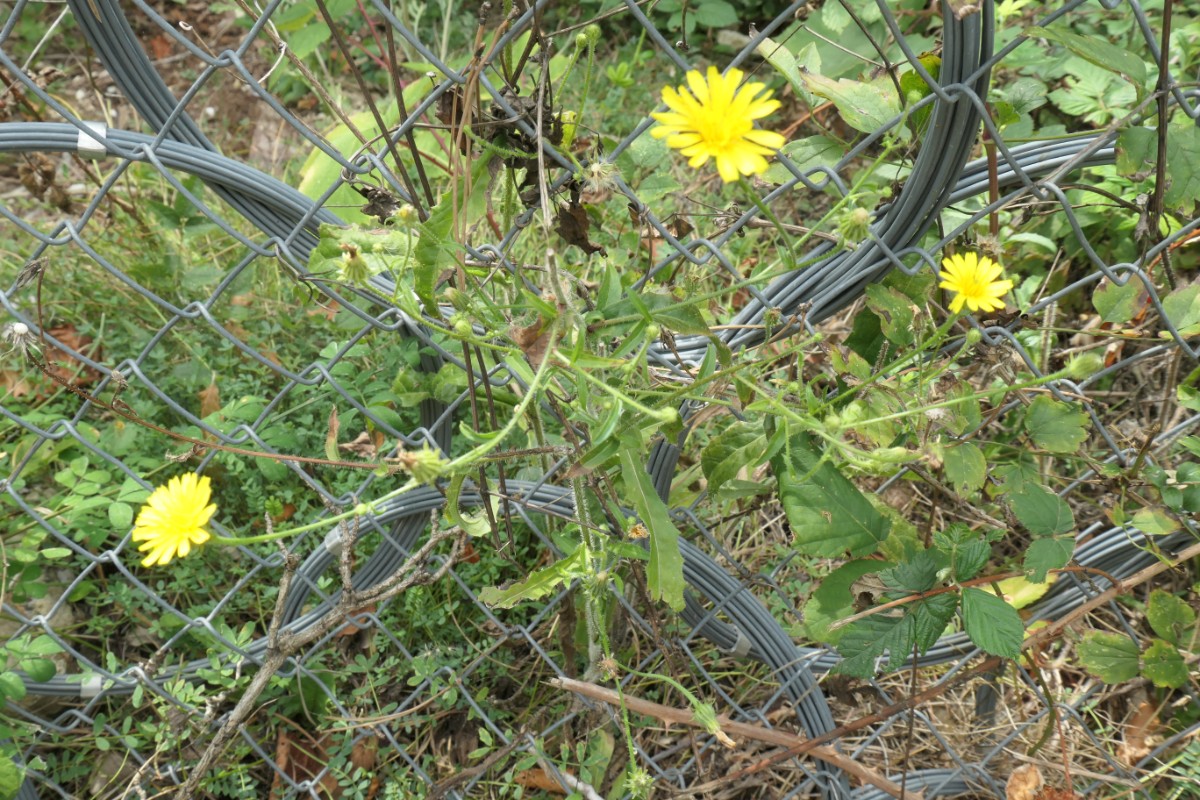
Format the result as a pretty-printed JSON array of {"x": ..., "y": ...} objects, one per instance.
[
  {"x": 540, "y": 582},
  {"x": 1164, "y": 666},
  {"x": 834, "y": 599},
  {"x": 120, "y": 515},
  {"x": 827, "y": 514},
  {"x": 1119, "y": 304},
  {"x": 789, "y": 66},
  {"x": 715, "y": 13},
  {"x": 1041, "y": 511},
  {"x": 965, "y": 467},
  {"x": 436, "y": 250},
  {"x": 1098, "y": 51},
  {"x": 807, "y": 154},
  {"x": 966, "y": 550},
  {"x": 991, "y": 623},
  {"x": 1111, "y": 657},
  {"x": 1183, "y": 166},
  {"x": 741, "y": 445},
  {"x": 1055, "y": 426},
  {"x": 918, "y": 574},
  {"x": 664, "y": 572},
  {"x": 1170, "y": 617},
  {"x": 896, "y": 313},
  {"x": 864, "y": 642},
  {"x": 865, "y": 107},
  {"x": 1154, "y": 522},
  {"x": 930, "y": 618},
  {"x": 1043, "y": 555},
  {"x": 1182, "y": 307},
  {"x": 11, "y": 778},
  {"x": 1137, "y": 149},
  {"x": 11, "y": 686}
]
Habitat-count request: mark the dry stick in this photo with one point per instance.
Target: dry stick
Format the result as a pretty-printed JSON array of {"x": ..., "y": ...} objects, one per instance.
[
  {"x": 1033, "y": 640},
  {"x": 745, "y": 730},
  {"x": 1155, "y": 212},
  {"x": 283, "y": 644}
]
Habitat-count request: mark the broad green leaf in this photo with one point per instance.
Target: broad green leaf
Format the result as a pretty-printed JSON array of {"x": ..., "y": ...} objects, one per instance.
[
  {"x": 540, "y": 582},
  {"x": 741, "y": 445},
  {"x": 896, "y": 313},
  {"x": 865, "y": 107},
  {"x": 966, "y": 550},
  {"x": 991, "y": 623},
  {"x": 11, "y": 686},
  {"x": 965, "y": 467},
  {"x": 917, "y": 574},
  {"x": 864, "y": 643},
  {"x": 1020, "y": 592},
  {"x": 1183, "y": 166},
  {"x": 1041, "y": 511},
  {"x": 827, "y": 514},
  {"x": 1098, "y": 51},
  {"x": 1154, "y": 522},
  {"x": 38, "y": 669},
  {"x": 807, "y": 154},
  {"x": 1164, "y": 666},
  {"x": 1182, "y": 307},
  {"x": 1137, "y": 150},
  {"x": 1055, "y": 426},
  {"x": 436, "y": 250},
  {"x": 664, "y": 572},
  {"x": 834, "y": 599},
  {"x": 789, "y": 65},
  {"x": 1171, "y": 618},
  {"x": 1111, "y": 657},
  {"x": 120, "y": 515},
  {"x": 11, "y": 778},
  {"x": 1119, "y": 304},
  {"x": 1043, "y": 555},
  {"x": 930, "y": 618}
]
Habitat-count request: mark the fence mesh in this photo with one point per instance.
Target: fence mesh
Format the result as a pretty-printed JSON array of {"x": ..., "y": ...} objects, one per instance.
[{"x": 201, "y": 108}]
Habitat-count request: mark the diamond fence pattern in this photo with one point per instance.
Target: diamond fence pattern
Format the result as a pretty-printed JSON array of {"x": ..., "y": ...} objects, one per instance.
[{"x": 403, "y": 709}]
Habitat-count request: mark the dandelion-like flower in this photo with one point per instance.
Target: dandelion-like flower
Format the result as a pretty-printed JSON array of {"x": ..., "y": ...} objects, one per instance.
[
  {"x": 715, "y": 119},
  {"x": 973, "y": 279},
  {"x": 173, "y": 519}
]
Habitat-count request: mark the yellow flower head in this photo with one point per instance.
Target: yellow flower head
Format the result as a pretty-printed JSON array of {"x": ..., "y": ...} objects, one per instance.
[
  {"x": 716, "y": 120},
  {"x": 972, "y": 278},
  {"x": 173, "y": 519}
]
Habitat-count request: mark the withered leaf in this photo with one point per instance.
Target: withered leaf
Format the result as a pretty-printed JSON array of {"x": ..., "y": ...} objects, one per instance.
[{"x": 573, "y": 223}]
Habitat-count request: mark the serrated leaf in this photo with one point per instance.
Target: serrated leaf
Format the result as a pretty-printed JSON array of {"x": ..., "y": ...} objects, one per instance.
[
  {"x": 1054, "y": 425},
  {"x": 966, "y": 550},
  {"x": 930, "y": 618},
  {"x": 864, "y": 643},
  {"x": 540, "y": 583},
  {"x": 1119, "y": 304},
  {"x": 740, "y": 445},
  {"x": 991, "y": 623},
  {"x": 664, "y": 571},
  {"x": 865, "y": 107},
  {"x": 1164, "y": 666},
  {"x": 917, "y": 574},
  {"x": 1111, "y": 657},
  {"x": 827, "y": 514},
  {"x": 1100, "y": 52},
  {"x": 1171, "y": 618},
  {"x": 1043, "y": 555},
  {"x": 834, "y": 599},
  {"x": 965, "y": 467},
  {"x": 436, "y": 250},
  {"x": 1041, "y": 511}
]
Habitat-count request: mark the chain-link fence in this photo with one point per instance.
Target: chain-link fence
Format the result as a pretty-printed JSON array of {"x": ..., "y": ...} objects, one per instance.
[{"x": 434, "y": 693}]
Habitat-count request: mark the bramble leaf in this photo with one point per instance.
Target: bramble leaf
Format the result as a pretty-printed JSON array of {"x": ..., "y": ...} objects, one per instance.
[
  {"x": 1111, "y": 657},
  {"x": 991, "y": 623}
]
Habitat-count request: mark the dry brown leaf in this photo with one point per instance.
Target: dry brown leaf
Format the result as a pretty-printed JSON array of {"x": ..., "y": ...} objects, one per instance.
[
  {"x": 537, "y": 778},
  {"x": 331, "y": 434},
  {"x": 532, "y": 339},
  {"x": 300, "y": 756},
  {"x": 363, "y": 446},
  {"x": 1138, "y": 732},
  {"x": 210, "y": 399},
  {"x": 1024, "y": 783}
]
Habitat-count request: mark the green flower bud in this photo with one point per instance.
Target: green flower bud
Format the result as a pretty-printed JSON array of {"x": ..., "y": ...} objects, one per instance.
[{"x": 1084, "y": 366}]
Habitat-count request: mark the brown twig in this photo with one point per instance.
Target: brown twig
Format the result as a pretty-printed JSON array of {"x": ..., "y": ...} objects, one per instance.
[{"x": 744, "y": 730}]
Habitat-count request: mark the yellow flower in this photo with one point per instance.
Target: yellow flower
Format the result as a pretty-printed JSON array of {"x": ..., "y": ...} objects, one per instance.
[
  {"x": 716, "y": 120},
  {"x": 972, "y": 278},
  {"x": 173, "y": 519}
]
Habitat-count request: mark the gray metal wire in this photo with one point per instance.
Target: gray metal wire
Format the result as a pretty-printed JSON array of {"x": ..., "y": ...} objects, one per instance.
[{"x": 721, "y": 607}]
